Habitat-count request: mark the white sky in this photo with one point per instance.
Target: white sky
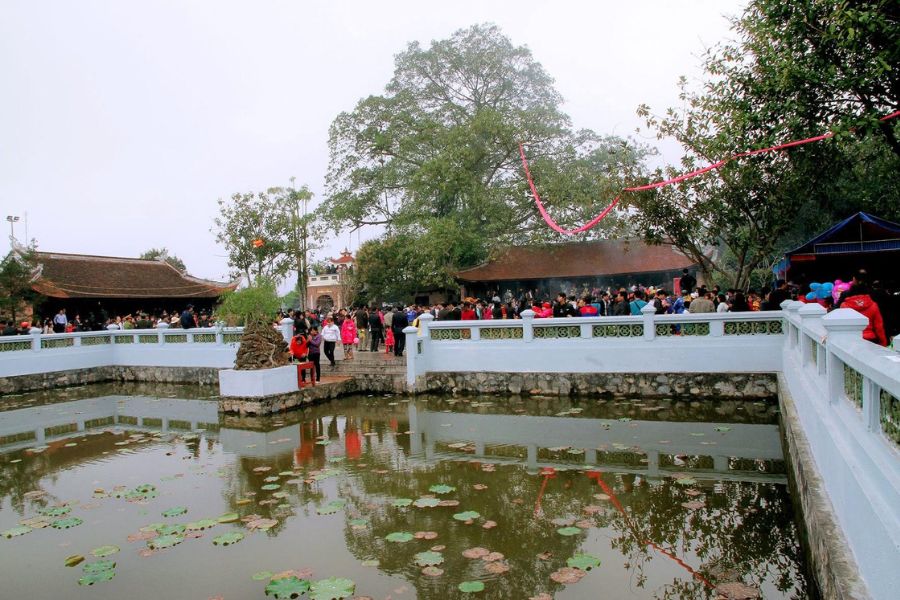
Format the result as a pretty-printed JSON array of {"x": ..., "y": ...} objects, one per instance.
[{"x": 122, "y": 122}]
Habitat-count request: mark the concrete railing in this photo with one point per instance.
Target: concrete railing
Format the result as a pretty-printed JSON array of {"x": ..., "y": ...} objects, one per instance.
[
  {"x": 747, "y": 342},
  {"x": 847, "y": 394}
]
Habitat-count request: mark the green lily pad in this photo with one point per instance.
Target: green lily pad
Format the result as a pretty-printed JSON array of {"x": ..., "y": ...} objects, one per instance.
[
  {"x": 93, "y": 578},
  {"x": 139, "y": 495},
  {"x": 332, "y": 507},
  {"x": 358, "y": 523},
  {"x": 98, "y": 566},
  {"x": 567, "y": 531},
  {"x": 441, "y": 489},
  {"x": 104, "y": 551},
  {"x": 470, "y": 587},
  {"x": 15, "y": 532},
  {"x": 165, "y": 541},
  {"x": 201, "y": 524},
  {"x": 66, "y": 523},
  {"x": 229, "y": 518},
  {"x": 175, "y": 529},
  {"x": 585, "y": 562},
  {"x": 400, "y": 537},
  {"x": 261, "y": 575},
  {"x": 333, "y": 588},
  {"x": 426, "y": 503},
  {"x": 270, "y": 486},
  {"x": 145, "y": 488},
  {"x": 55, "y": 511},
  {"x": 371, "y": 562},
  {"x": 323, "y": 442},
  {"x": 287, "y": 587},
  {"x": 467, "y": 515},
  {"x": 175, "y": 512},
  {"x": 686, "y": 481},
  {"x": 723, "y": 429},
  {"x": 402, "y": 502},
  {"x": 428, "y": 559},
  {"x": 227, "y": 539}
]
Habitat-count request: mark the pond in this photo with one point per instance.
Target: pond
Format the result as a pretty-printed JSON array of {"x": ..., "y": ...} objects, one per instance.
[{"x": 393, "y": 497}]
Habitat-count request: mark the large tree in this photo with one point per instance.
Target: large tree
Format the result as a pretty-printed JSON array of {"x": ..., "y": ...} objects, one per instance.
[
  {"x": 796, "y": 69},
  {"x": 434, "y": 159},
  {"x": 17, "y": 271}
]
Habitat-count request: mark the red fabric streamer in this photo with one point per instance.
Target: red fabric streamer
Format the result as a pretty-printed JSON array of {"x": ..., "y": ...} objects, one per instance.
[{"x": 658, "y": 184}]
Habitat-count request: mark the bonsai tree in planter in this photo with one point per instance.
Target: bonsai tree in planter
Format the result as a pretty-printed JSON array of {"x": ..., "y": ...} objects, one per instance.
[{"x": 262, "y": 346}]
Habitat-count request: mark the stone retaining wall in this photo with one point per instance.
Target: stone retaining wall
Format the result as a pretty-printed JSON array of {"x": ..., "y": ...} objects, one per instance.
[
  {"x": 59, "y": 379},
  {"x": 719, "y": 385},
  {"x": 834, "y": 568},
  {"x": 312, "y": 395}
]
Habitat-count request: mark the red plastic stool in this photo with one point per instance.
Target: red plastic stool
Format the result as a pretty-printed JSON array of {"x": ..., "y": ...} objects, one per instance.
[{"x": 306, "y": 366}]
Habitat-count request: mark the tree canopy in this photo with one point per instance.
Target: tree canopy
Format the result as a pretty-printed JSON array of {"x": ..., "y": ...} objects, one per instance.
[
  {"x": 163, "y": 253},
  {"x": 797, "y": 69},
  {"x": 16, "y": 273},
  {"x": 434, "y": 159}
]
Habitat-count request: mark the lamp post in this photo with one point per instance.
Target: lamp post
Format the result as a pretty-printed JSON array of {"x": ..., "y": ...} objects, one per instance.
[{"x": 12, "y": 221}]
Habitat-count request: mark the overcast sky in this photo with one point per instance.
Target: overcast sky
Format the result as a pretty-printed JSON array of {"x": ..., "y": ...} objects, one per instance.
[{"x": 122, "y": 122}]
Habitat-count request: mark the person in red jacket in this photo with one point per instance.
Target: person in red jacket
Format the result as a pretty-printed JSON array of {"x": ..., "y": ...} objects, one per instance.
[
  {"x": 299, "y": 347},
  {"x": 863, "y": 304}
]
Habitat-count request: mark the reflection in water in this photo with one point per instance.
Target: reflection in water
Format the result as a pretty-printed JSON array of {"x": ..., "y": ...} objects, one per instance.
[{"x": 673, "y": 498}]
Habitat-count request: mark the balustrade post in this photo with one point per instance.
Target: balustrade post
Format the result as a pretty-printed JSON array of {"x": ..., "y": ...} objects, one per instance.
[
  {"x": 791, "y": 310},
  {"x": 287, "y": 329},
  {"x": 425, "y": 320},
  {"x": 809, "y": 314},
  {"x": 76, "y": 340},
  {"x": 717, "y": 328},
  {"x": 161, "y": 332},
  {"x": 220, "y": 333},
  {"x": 36, "y": 341},
  {"x": 527, "y": 325},
  {"x": 841, "y": 325},
  {"x": 871, "y": 405},
  {"x": 411, "y": 334},
  {"x": 648, "y": 312}
]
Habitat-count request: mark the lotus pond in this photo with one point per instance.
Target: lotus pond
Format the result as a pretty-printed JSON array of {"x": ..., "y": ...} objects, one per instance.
[{"x": 146, "y": 492}]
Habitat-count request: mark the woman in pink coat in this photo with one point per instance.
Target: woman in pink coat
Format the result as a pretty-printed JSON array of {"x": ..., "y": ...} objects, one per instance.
[{"x": 348, "y": 337}]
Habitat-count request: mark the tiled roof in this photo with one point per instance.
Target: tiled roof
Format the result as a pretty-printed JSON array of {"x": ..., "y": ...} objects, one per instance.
[
  {"x": 577, "y": 259},
  {"x": 85, "y": 276}
]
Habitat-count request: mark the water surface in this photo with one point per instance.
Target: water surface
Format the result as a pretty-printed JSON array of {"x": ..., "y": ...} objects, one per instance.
[{"x": 671, "y": 497}]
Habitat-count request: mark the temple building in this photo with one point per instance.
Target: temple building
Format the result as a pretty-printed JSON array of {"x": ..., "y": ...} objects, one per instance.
[
  {"x": 99, "y": 287},
  {"x": 576, "y": 268},
  {"x": 330, "y": 289}
]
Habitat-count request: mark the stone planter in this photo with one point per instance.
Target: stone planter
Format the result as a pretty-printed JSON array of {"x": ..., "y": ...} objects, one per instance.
[{"x": 259, "y": 383}]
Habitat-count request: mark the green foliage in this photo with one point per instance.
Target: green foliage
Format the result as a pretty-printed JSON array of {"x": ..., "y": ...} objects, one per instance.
[
  {"x": 16, "y": 273},
  {"x": 435, "y": 159},
  {"x": 163, "y": 253},
  {"x": 797, "y": 69},
  {"x": 259, "y": 301}
]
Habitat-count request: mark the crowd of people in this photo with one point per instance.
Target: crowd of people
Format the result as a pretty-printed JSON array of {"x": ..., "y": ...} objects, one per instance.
[{"x": 62, "y": 322}]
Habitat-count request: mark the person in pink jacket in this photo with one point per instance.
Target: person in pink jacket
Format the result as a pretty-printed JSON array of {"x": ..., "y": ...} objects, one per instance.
[{"x": 348, "y": 337}]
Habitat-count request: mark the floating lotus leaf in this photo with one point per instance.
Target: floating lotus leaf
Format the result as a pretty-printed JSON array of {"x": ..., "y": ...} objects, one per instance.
[
  {"x": 270, "y": 486},
  {"x": 567, "y": 575},
  {"x": 287, "y": 587},
  {"x": 227, "y": 539},
  {"x": 470, "y": 587},
  {"x": 585, "y": 562},
  {"x": 104, "y": 551},
  {"x": 15, "y": 532},
  {"x": 176, "y": 529},
  {"x": 165, "y": 541},
  {"x": 201, "y": 525},
  {"x": 686, "y": 481},
  {"x": 262, "y": 524},
  {"x": 271, "y": 479},
  {"x": 229, "y": 518},
  {"x": 333, "y": 588},
  {"x": 476, "y": 552},
  {"x": 496, "y": 568},
  {"x": 723, "y": 429},
  {"x": 568, "y": 531},
  {"x": 370, "y": 562},
  {"x": 441, "y": 489},
  {"x": 93, "y": 578},
  {"x": 176, "y": 511},
  {"x": 136, "y": 495},
  {"x": 145, "y": 488},
  {"x": 55, "y": 511},
  {"x": 74, "y": 560},
  {"x": 36, "y": 522},
  {"x": 466, "y": 515},
  {"x": 261, "y": 575},
  {"x": 428, "y": 559},
  {"x": 323, "y": 442},
  {"x": 98, "y": 566},
  {"x": 426, "y": 503},
  {"x": 66, "y": 523},
  {"x": 332, "y": 507},
  {"x": 286, "y": 473},
  {"x": 399, "y": 537},
  {"x": 695, "y": 505},
  {"x": 402, "y": 502},
  {"x": 432, "y": 571}
]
